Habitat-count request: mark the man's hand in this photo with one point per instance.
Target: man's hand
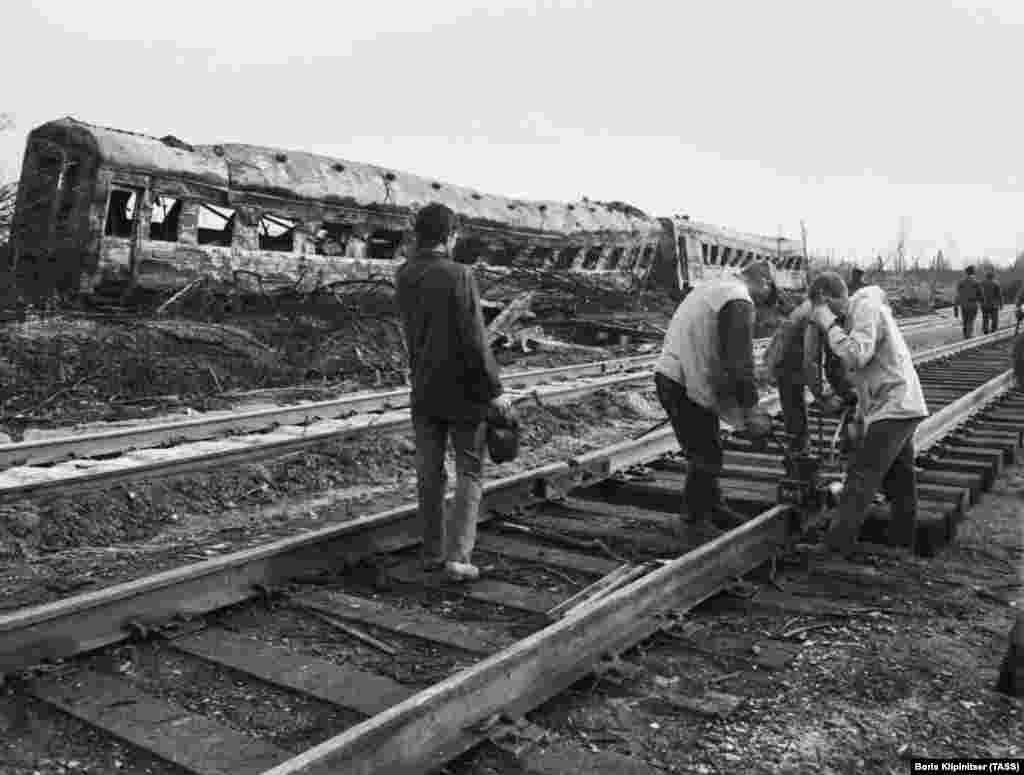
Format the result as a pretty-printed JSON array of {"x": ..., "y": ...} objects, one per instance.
[
  {"x": 823, "y": 316},
  {"x": 501, "y": 404}
]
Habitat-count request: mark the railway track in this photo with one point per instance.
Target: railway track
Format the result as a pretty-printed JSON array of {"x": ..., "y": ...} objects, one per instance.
[
  {"x": 394, "y": 672},
  {"x": 80, "y": 462}
]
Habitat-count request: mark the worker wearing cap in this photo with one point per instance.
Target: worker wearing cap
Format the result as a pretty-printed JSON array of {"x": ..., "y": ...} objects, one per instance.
[
  {"x": 794, "y": 359},
  {"x": 890, "y": 405},
  {"x": 968, "y": 298},
  {"x": 991, "y": 301},
  {"x": 706, "y": 372}
]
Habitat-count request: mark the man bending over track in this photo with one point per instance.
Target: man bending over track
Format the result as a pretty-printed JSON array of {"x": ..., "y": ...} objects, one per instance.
[
  {"x": 706, "y": 369},
  {"x": 890, "y": 405},
  {"x": 454, "y": 382}
]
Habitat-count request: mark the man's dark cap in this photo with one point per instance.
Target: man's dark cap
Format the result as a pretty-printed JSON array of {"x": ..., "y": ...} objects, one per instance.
[{"x": 969, "y": 270}]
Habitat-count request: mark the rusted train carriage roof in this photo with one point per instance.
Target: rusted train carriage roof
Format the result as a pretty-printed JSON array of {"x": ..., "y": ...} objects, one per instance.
[
  {"x": 307, "y": 176},
  {"x": 132, "y": 151}
]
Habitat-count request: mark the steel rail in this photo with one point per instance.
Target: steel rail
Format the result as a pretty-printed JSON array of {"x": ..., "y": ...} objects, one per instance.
[
  {"x": 110, "y": 442},
  {"x": 95, "y": 619},
  {"x": 440, "y": 722}
]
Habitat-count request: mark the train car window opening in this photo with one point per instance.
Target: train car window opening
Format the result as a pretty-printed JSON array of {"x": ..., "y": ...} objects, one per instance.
[
  {"x": 592, "y": 257},
  {"x": 705, "y": 253},
  {"x": 567, "y": 256},
  {"x": 165, "y": 219},
  {"x": 615, "y": 257},
  {"x": 384, "y": 244},
  {"x": 647, "y": 256},
  {"x": 276, "y": 233},
  {"x": 332, "y": 238},
  {"x": 631, "y": 258},
  {"x": 216, "y": 225},
  {"x": 122, "y": 208},
  {"x": 542, "y": 255}
]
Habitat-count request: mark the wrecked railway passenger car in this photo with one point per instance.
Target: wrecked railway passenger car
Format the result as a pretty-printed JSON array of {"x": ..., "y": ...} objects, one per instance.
[
  {"x": 104, "y": 209},
  {"x": 706, "y": 252}
]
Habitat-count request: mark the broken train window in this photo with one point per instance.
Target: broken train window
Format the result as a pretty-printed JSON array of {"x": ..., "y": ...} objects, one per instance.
[
  {"x": 592, "y": 256},
  {"x": 276, "y": 233},
  {"x": 216, "y": 225},
  {"x": 331, "y": 238},
  {"x": 121, "y": 211},
  {"x": 384, "y": 243},
  {"x": 164, "y": 219},
  {"x": 567, "y": 256},
  {"x": 615, "y": 257}
]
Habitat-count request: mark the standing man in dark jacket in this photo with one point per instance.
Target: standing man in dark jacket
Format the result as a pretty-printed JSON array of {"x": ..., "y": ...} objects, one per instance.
[
  {"x": 991, "y": 301},
  {"x": 968, "y": 298},
  {"x": 1019, "y": 313},
  {"x": 706, "y": 372},
  {"x": 454, "y": 381}
]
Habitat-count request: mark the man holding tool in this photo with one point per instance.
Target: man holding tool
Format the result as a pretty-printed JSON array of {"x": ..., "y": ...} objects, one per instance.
[
  {"x": 891, "y": 404},
  {"x": 706, "y": 372}
]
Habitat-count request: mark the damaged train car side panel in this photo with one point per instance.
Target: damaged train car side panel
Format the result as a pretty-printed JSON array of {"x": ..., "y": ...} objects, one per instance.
[{"x": 107, "y": 209}]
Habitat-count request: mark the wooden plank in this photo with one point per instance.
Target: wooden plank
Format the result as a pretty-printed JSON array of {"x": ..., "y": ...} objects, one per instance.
[
  {"x": 438, "y": 723},
  {"x": 545, "y": 555},
  {"x": 198, "y": 744},
  {"x": 415, "y": 622},
  {"x": 339, "y": 684},
  {"x": 484, "y": 589}
]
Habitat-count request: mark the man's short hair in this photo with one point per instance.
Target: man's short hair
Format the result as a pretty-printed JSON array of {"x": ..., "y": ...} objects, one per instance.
[
  {"x": 969, "y": 270},
  {"x": 827, "y": 284},
  {"x": 435, "y": 223}
]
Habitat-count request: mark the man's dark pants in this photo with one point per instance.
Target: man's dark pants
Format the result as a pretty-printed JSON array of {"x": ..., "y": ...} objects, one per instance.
[
  {"x": 989, "y": 319},
  {"x": 969, "y": 313},
  {"x": 884, "y": 461},
  {"x": 697, "y": 430},
  {"x": 793, "y": 403}
]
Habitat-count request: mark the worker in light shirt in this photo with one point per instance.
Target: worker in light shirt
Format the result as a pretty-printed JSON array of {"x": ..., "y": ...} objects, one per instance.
[{"x": 890, "y": 406}]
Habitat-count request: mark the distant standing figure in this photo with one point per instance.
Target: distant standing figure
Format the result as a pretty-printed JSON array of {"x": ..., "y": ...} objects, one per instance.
[
  {"x": 455, "y": 382},
  {"x": 991, "y": 301},
  {"x": 1019, "y": 314},
  {"x": 856, "y": 280},
  {"x": 968, "y": 298}
]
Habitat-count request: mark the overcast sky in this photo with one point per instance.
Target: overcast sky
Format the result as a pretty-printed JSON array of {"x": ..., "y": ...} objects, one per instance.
[{"x": 754, "y": 115}]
